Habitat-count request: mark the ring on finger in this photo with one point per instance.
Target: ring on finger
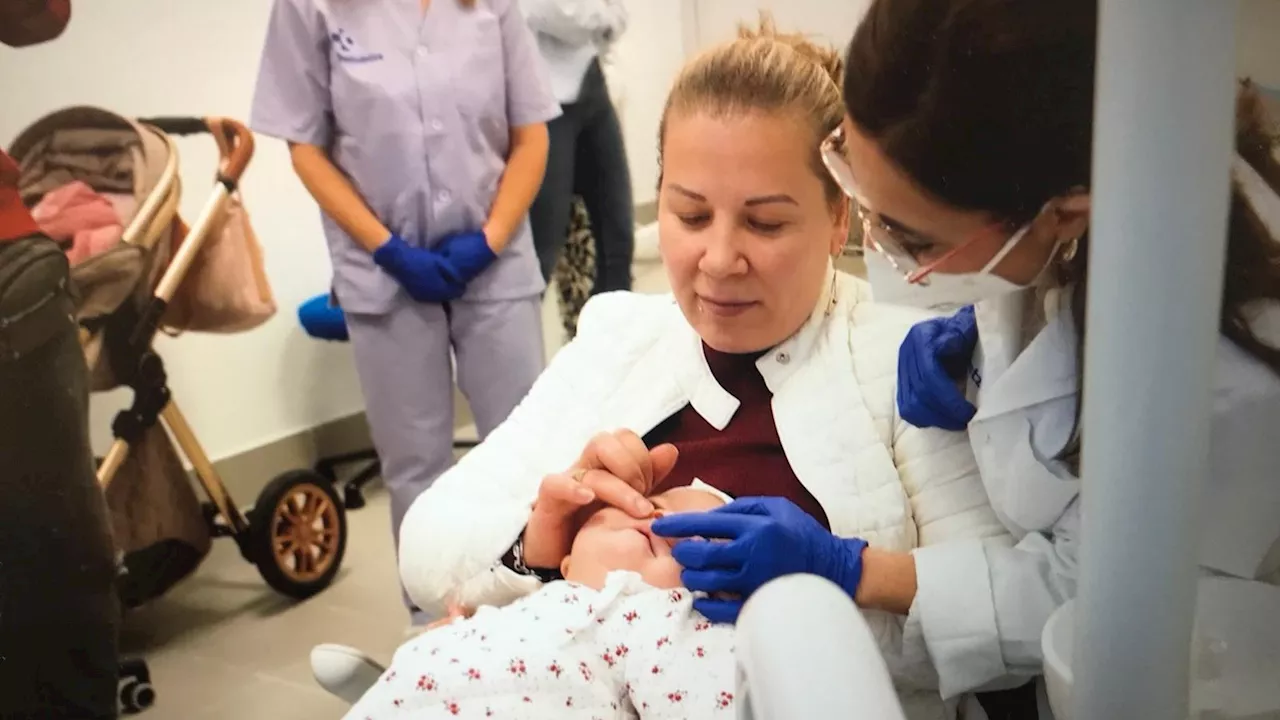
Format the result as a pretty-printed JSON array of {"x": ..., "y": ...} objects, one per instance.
[{"x": 578, "y": 474}]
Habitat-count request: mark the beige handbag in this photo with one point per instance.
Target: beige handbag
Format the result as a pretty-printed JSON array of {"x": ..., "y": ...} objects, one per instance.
[{"x": 226, "y": 289}]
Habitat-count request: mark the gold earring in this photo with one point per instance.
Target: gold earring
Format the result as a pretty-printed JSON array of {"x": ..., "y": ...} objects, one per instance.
[{"x": 1072, "y": 247}]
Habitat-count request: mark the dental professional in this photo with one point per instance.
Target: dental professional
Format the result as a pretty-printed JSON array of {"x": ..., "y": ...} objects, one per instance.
[
  {"x": 967, "y": 152},
  {"x": 419, "y": 127}
]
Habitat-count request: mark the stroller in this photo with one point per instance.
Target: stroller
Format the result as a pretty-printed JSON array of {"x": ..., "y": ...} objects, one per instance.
[{"x": 296, "y": 531}]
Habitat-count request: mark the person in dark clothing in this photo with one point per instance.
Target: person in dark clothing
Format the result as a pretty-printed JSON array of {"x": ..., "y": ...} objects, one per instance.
[
  {"x": 587, "y": 156},
  {"x": 59, "y": 613}
]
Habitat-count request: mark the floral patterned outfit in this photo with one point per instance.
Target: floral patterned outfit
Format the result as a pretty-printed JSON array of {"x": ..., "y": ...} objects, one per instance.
[{"x": 567, "y": 651}]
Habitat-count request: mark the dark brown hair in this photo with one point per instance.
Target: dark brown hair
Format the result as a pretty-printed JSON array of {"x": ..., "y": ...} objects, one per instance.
[{"x": 988, "y": 105}]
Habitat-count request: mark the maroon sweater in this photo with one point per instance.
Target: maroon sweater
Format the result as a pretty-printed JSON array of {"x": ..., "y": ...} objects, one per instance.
[{"x": 745, "y": 458}]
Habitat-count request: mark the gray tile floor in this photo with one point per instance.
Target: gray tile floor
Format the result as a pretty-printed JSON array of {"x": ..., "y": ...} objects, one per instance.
[{"x": 224, "y": 645}]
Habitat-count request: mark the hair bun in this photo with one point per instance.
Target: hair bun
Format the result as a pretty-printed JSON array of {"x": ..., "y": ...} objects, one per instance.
[
  {"x": 825, "y": 57},
  {"x": 763, "y": 70}
]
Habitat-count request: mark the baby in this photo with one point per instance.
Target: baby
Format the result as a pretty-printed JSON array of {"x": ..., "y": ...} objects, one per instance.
[{"x": 618, "y": 638}]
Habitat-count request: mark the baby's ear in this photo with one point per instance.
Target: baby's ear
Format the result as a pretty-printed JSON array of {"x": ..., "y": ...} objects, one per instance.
[{"x": 564, "y": 567}]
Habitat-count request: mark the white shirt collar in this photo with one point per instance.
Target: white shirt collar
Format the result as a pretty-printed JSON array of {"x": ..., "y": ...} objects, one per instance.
[
  {"x": 715, "y": 404},
  {"x": 1017, "y": 371}
]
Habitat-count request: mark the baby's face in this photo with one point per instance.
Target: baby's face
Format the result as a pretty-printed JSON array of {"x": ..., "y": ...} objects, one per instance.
[{"x": 612, "y": 540}]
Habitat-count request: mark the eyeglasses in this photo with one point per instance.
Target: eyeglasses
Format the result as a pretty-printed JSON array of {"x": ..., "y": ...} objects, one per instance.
[{"x": 900, "y": 247}]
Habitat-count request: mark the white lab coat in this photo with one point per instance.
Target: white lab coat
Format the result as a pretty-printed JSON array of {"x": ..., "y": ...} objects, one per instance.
[{"x": 981, "y": 608}]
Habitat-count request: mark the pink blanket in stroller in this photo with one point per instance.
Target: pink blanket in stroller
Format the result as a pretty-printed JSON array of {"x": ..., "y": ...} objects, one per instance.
[{"x": 84, "y": 221}]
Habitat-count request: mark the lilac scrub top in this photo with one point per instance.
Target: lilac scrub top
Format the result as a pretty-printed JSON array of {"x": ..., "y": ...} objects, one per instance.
[{"x": 416, "y": 108}]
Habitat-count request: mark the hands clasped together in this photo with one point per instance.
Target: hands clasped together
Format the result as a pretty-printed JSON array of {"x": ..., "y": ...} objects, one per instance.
[{"x": 438, "y": 274}]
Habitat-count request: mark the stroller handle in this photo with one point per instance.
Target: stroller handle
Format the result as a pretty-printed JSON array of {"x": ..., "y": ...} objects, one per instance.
[
  {"x": 177, "y": 125},
  {"x": 235, "y": 141}
]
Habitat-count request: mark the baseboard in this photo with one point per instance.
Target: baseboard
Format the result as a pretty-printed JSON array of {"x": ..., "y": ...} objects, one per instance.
[
  {"x": 646, "y": 213},
  {"x": 246, "y": 473},
  {"x": 646, "y": 244}
]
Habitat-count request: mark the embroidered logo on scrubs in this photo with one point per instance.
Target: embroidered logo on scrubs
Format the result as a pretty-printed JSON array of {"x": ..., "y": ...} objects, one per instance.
[
  {"x": 345, "y": 47},
  {"x": 976, "y": 376}
]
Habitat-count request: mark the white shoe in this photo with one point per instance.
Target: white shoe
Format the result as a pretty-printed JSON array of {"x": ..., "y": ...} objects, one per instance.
[{"x": 344, "y": 671}]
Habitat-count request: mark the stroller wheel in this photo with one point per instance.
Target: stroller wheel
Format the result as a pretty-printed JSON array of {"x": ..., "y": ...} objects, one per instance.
[
  {"x": 136, "y": 696},
  {"x": 298, "y": 530},
  {"x": 135, "y": 691}
]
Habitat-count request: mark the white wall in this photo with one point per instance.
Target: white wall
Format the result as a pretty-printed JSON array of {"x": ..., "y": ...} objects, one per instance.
[
  {"x": 239, "y": 391},
  {"x": 244, "y": 391},
  {"x": 640, "y": 70},
  {"x": 1259, "y": 51},
  {"x": 825, "y": 21}
]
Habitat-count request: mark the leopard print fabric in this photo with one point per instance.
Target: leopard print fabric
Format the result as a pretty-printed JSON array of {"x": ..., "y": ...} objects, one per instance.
[{"x": 576, "y": 269}]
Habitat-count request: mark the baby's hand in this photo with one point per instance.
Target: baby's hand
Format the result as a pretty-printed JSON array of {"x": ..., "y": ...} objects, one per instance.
[{"x": 456, "y": 612}]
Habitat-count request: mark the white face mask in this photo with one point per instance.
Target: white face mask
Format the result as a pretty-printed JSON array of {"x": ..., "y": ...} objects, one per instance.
[{"x": 944, "y": 291}]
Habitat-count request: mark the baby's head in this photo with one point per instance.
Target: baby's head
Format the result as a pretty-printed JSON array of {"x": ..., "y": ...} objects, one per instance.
[{"x": 612, "y": 540}]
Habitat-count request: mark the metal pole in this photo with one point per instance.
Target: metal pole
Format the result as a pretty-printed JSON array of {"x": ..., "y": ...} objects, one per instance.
[{"x": 1162, "y": 150}]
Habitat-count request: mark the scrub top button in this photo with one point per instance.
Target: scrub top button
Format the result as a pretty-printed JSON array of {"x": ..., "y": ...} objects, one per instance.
[{"x": 783, "y": 357}]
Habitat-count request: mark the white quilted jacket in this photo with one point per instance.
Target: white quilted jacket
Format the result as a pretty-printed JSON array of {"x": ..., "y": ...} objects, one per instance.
[{"x": 635, "y": 362}]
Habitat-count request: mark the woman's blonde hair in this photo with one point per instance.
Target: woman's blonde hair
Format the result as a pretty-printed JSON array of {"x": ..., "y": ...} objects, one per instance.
[{"x": 765, "y": 71}]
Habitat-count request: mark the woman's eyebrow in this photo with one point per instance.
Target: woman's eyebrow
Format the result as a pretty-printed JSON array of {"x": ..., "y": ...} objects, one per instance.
[
  {"x": 751, "y": 202},
  {"x": 688, "y": 193},
  {"x": 770, "y": 199},
  {"x": 901, "y": 227}
]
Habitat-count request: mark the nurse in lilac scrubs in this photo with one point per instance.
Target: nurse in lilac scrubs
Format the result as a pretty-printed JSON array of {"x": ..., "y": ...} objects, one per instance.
[{"x": 419, "y": 127}]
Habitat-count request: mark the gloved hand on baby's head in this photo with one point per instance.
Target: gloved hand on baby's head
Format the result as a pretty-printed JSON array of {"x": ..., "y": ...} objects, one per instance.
[{"x": 610, "y": 540}]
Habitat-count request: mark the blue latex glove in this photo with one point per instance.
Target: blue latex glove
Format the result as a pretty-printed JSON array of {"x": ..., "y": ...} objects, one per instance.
[
  {"x": 932, "y": 363},
  {"x": 322, "y": 321},
  {"x": 425, "y": 274},
  {"x": 768, "y": 537},
  {"x": 468, "y": 252}
]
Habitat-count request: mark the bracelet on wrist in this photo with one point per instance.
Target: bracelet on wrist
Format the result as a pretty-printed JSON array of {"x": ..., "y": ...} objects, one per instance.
[{"x": 514, "y": 561}]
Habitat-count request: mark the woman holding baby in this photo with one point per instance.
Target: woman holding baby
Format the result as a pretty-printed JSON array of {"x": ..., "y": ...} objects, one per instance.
[{"x": 768, "y": 373}]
